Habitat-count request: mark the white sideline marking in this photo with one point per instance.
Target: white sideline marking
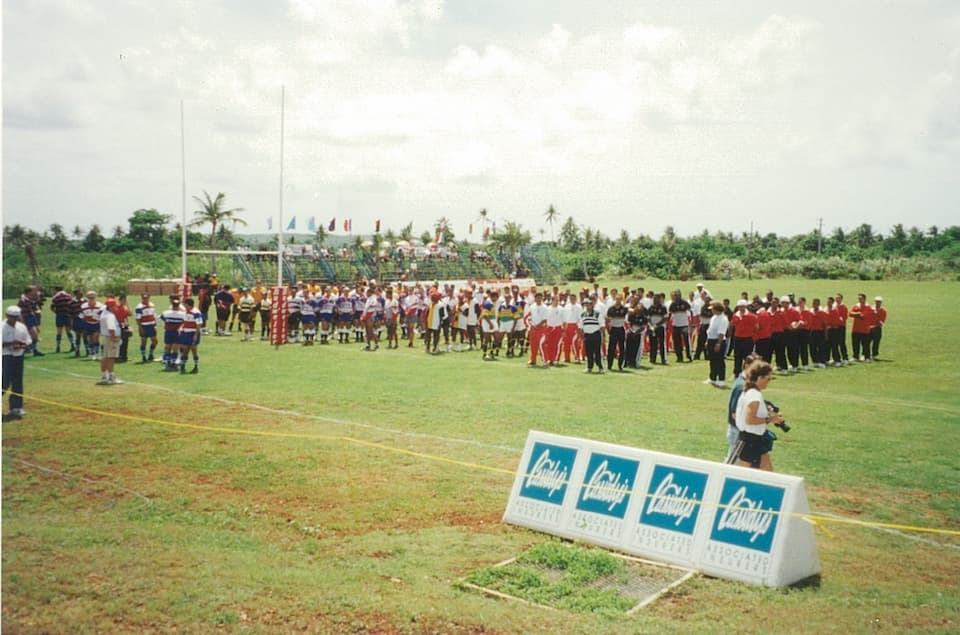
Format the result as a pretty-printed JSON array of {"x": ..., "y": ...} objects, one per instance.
[
  {"x": 304, "y": 415},
  {"x": 895, "y": 532}
]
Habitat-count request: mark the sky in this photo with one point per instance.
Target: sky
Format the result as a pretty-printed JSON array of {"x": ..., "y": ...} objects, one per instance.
[{"x": 624, "y": 115}]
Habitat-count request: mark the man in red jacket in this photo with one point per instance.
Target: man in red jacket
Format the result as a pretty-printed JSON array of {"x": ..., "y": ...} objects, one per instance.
[
  {"x": 877, "y": 332},
  {"x": 863, "y": 319},
  {"x": 844, "y": 315},
  {"x": 745, "y": 325}
]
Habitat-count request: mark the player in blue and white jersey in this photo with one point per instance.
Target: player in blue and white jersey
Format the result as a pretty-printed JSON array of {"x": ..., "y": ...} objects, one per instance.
[
  {"x": 190, "y": 336},
  {"x": 145, "y": 314},
  {"x": 359, "y": 304},
  {"x": 172, "y": 320},
  {"x": 326, "y": 306},
  {"x": 294, "y": 304},
  {"x": 308, "y": 318},
  {"x": 344, "y": 316}
]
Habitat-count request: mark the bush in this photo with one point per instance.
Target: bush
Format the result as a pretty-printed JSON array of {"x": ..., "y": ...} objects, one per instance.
[{"x": 728, "y": 268}]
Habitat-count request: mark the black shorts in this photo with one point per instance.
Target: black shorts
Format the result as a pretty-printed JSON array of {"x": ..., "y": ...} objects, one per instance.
[
  {"x": 754, "y": 447},
  {"x": 223, "y": 314}
]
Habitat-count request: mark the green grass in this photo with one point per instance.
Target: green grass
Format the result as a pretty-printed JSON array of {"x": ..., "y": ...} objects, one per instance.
[{"x": 316, "y": 531}]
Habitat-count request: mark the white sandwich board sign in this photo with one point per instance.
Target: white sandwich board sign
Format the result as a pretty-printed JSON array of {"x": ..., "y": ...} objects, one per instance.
[{"x": 724, "y": 520}]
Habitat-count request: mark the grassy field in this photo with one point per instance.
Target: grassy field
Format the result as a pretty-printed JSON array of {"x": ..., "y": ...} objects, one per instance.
[{"x": 327, "y": 490}]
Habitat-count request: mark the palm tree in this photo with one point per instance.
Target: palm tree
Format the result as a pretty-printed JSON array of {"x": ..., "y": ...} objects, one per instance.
[
  {"x": 26, "y": 240},
  {"x": 320, "y": 236},
  {"x": 551, "y": 215},
  {"x": 407, "y": 232},
  {"x": 58, "y": 236},
  {"x": 212, "y": 211},
  {"x": 512, "y": 239}
]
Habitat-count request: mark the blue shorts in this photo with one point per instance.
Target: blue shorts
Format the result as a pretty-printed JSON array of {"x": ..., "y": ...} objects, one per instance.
[
  {"x": 63, "y": 320},
  {"x": 186, "y": 339},
  {"x": 171, "y": 337},
  {"x": 91, "y": 329},
  {"x": 78, "y": 325},
  {"x": 345, "y": 318},
  {"x": 326, "y": 317},
  {"x": 308, "y": 319},
  {"x": 148, "y": 330},
  {"x": 31, "y": 320}
]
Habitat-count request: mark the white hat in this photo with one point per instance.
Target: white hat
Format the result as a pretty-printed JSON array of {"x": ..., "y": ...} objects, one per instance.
[
  {"x": 878, "y": 299},
  {"x": 742, "y": 302},
  {"x": 785, "y": 298},
  {"x": 13, "y": 311}
]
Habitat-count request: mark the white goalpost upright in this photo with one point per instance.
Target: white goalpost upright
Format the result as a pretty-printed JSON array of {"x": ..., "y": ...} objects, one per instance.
[{"x": 183, "y": 209}]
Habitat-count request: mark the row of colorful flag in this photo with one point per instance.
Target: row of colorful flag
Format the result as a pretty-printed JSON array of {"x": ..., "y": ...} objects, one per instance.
[{"x": 348, "y": 226}]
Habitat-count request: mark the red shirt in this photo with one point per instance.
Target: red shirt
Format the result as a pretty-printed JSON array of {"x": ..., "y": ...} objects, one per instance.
[
  {"x": 818, "y": 320},
  {"x": 764, "y": 324},
  {"x": 844, "y": 314},
  {"x": 806, "y": 314},
  {"x": 881, "y": 316},
  {"x": 122, "y": 311},
  {"x": 834, "y": 321},
  {"x": 776, "y": 322},
  {"x": 863, "y": 318},
  {"x": 744, "y": 325},
  {"x": 789, "y": 316}
]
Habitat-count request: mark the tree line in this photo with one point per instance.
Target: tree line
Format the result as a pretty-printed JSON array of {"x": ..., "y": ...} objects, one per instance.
[{"x": 577, "y": 250}]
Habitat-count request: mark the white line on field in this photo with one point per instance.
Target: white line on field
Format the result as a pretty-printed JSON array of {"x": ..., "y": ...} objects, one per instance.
[
  {"x": 303, "y": 415},
  {"x": 895, "y": 532}
]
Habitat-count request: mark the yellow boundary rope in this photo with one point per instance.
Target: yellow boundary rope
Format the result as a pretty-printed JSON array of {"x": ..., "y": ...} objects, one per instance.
[{"x": 814, "y": 519}]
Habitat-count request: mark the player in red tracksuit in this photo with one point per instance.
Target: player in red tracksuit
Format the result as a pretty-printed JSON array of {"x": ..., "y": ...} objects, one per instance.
[{"x": 864, "y": 318}]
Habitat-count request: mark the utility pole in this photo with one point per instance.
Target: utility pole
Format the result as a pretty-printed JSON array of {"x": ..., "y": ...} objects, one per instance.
[{"x": 819, "y": 235}]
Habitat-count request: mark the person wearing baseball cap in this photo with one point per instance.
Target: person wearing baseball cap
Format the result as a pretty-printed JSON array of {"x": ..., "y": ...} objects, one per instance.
[
  {"x": 880, "y": 316},
  {"x": 591, "y": 334},
  {"x": 110, "y": 336},
  {"x": 16, "y": 341}
]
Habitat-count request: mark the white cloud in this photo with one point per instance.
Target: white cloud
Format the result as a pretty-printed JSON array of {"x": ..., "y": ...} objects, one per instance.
[{"x": 398, "y": 100}]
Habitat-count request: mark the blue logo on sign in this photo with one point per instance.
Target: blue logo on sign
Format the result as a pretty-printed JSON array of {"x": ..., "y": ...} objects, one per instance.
[
  {"x": 607, "y": 484},
  {"x": 748, "y": 514},
  {"x": 673, "y": 499},
  {"x": 548, "y": 473}
]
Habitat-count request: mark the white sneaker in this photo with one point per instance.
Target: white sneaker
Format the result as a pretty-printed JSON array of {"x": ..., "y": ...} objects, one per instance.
[
  {"x": 587, "y": 370},
  {"x": 708, "y": 382},
  {"x": 18, "y": 411},
  {"x": 720, "y": 384},
  {"x": 103, "y": 382}
]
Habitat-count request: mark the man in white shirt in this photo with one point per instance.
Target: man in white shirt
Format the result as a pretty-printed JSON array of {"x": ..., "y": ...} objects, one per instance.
[
  {"x": 571, "y": 318},
  {"x": 538, "y": 327},
  {"x": 16, "y": 340},
  {"x": 110, "y": 336}
]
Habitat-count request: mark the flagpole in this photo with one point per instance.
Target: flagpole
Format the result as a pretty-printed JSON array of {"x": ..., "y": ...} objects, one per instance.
[
  {"x": 183, "y": 201},
  {"x": 280, "y": 228}
]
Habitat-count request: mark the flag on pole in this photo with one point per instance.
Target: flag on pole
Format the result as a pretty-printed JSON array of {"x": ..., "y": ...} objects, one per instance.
[
  {"x": 292, "y": 225},
  {"x": 376, "y": 226},
  {"x": 346, "y": 225},
  {"x": 333, "y": 224},
  {"x": 269, "y": 223},
  {"x": 440, "y": 237},
  {"x": 486, "y": 232},
  {"x": 312, "y": 224}
]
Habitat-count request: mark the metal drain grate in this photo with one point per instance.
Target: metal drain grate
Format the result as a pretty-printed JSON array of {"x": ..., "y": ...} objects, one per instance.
[{"x": 571, "y": 577}]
